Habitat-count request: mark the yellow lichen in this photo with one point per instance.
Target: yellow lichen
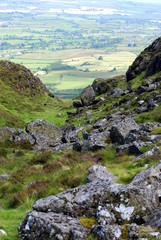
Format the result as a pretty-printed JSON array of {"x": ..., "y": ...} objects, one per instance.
[{"x": 88, "y": 222}]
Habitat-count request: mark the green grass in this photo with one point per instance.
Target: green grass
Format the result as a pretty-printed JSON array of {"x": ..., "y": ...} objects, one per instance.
[
  {"x": 154, "y": 116},
  {"x": 156, "y": 130},
  {"x": 137, "y": 82}
]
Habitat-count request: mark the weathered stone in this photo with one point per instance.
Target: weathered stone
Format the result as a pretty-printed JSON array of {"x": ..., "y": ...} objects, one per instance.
[
  {"x": 141, "y": 90},
  {"x": 117, "y": 92},
  {"x": 100, "y": 172},
  {"x": 104, "y": 216},
  {"x": 141, "y": 102},
  {"x": 155, "y": 219},
  {"x": 2, "y": 233},
  {"x": 154, "y": 138},
  {"x": 87, "y": 96},
  {"x": 46, "y": 135},
  {"x": 77, "y": 104},
  {"x": 153, "y": 152},
  {"x": 19, "y": 136},
  {"x": 96, "y": 140},
  {"x": 154, "y": 66},
  {"x": 132, "y": 148},
  {"x": 51, "y": 226},
  {"x": 101, "y": 198},
  {"x": 131, "y": 136},
  {"x": 120, "y": 131},
  {"x": 43, "y": 127},
  {"x": 148, "y": 127},
  {"x": 158, "y": 98},
  {"x": 132, "y": 232},
  {"x": 116, "y": 136},
  {"x": 85, "y": 135},
  {"x": 6, "y": 133},
  {"x": 4, "y": 177},
  {"x": 77, "y": 147},
  {"x": 150, "y": 104},
  {"x": 100, "y": 123},
  {"x": 107, "y": 232},
  {"x": 100, "y": 86}
]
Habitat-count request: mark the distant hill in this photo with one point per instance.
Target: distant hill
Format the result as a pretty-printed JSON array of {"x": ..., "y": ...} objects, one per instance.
[
  {"x": 21, "y": 79},
  {"x": 23, "y": 96}
]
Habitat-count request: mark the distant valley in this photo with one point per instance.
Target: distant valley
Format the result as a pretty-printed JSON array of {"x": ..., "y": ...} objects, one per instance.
[{"x": 69, "y": 44}]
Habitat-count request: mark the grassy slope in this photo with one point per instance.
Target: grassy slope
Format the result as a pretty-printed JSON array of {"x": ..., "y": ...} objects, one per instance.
[
  {"x": 18, "y": 107},
  {"x": 54, "y": 172}
]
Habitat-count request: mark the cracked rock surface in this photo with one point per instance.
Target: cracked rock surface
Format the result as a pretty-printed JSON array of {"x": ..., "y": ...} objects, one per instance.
[{"x": 113, "y": 205}]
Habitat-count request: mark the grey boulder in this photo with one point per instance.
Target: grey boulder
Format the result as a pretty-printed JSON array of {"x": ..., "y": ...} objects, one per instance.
[
  {"x": 87, "y": 96},
  {"x": 111, "y": 203},
  {"x": 46, "y": 135}
]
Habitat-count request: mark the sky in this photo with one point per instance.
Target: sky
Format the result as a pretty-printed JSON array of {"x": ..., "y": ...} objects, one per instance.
[{"x": 146, "y": 1}]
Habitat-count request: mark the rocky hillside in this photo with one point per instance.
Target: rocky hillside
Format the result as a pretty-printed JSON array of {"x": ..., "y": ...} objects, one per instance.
[
  {"x": 149, "y": 61},
  {"x": 20, "y": 79},
  {"x": 114, "y": 132},
  {"x": 24, "y": 97}
]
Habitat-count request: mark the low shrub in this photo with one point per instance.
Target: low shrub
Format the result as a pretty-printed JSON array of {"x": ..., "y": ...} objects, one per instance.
[
  {"x": 41, "y": 157},
  {"x": 52, "y": 166},
  {"x": 3, "y": 152},
  {"x": 22, "y": 145}
]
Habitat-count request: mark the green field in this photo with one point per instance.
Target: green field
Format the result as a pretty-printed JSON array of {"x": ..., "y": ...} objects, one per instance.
[
  {"x": 84, "y": 46},
  {"x": 86, "y": 63}
]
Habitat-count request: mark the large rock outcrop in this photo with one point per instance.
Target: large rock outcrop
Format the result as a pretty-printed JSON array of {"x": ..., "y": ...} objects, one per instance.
[
  {"x": 112, "y": 204},
  {"x": 148, "y": 60},
  {"x": 40, "y": 134}
]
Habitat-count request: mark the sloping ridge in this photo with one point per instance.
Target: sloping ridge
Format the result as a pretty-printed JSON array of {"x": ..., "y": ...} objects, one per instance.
[
  {"x": 21, "y": 79},
  {"x": 20, "y": 93}
]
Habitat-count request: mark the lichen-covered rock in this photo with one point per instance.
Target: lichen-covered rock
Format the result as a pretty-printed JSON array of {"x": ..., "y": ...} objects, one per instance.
[
  {"x": 155, "y": 219},
  {"x": 96, "y": 140},
  {"x": 121, "y": 129},
  {"x": 46, "y": 135},
  {"x": 132, "y": 148},
  {"x": 153, "y": 152},
  {"x": 101, "y": 123},
  {"x": 6, "y": 133},
  {"x": 111, "y": 203},
  {"x": 117, "y": 92},
  {"x": 100, "y": 86},
  {"x": 20, "y": 136},
  {"x": 107, "y": 232},
  {"x": 100, "y": 172},
  {"x": 43, "y": 226},
  {"x": 43, "y": 127},
  {"x": 87, "y": 96}
]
